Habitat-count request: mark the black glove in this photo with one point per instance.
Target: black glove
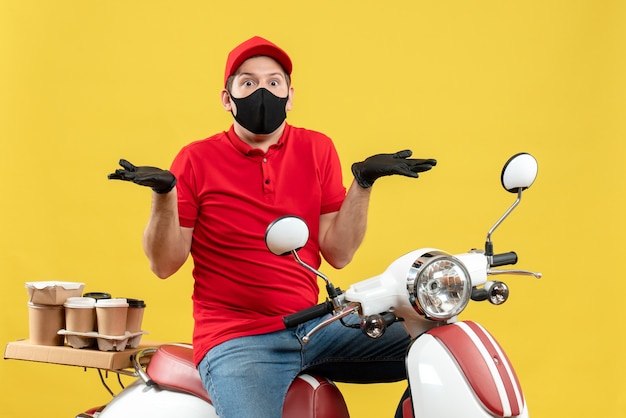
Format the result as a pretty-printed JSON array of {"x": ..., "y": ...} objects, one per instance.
[
  {"x": 161, "y": 181},
  {"x": 379, "y": 165}
]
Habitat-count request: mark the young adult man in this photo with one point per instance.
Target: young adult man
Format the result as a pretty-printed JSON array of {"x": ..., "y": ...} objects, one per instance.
[{"x": 216, "y": 202}]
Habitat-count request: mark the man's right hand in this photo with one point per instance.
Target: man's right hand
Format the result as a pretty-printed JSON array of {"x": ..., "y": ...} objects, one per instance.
[{"x": 161, "y": 181}]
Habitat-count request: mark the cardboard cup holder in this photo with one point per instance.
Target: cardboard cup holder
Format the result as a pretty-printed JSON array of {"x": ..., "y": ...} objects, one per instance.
[{"x": 104, "y": 342}]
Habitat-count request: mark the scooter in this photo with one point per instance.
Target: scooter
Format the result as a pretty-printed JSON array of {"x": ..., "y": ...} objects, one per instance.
[{"x": 454, "y": 368}]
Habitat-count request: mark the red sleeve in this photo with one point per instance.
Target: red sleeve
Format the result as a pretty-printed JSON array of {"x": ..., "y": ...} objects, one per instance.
[
  {"x": 332, "y": 183},
  {"x": 182, "y": 168}
]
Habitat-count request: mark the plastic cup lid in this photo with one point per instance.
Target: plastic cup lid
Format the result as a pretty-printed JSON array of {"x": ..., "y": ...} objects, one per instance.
[
  {"x": 111, "y": 303},
  {"x": 136, "y": 303},
  {"x": 97, "y": 295},
  {"x": 79, "y": 302}
]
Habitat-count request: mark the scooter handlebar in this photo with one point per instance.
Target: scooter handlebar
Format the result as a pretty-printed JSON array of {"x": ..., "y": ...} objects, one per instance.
[
  {"x": 504, "y": 259},
  {"x": 304, "y": 315}
]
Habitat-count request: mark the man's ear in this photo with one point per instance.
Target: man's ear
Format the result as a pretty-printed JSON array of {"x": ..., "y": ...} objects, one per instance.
[
  {"x": 227, "y": 104},
  {"x": 289, "y": 105}
]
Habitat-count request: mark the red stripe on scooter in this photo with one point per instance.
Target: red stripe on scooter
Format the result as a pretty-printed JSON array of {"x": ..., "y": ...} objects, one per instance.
[
  {"x": 492, "y": 384},
  {"x": 472, "y": 365},
  {"x": 504, "y": 367}
]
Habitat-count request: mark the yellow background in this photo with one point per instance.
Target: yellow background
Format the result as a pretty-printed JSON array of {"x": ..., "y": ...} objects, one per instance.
[{"x": 84, "y": 83}]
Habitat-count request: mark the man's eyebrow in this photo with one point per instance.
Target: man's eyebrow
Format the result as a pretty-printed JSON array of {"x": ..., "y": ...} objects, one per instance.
[{"x": 277, "y": 73}]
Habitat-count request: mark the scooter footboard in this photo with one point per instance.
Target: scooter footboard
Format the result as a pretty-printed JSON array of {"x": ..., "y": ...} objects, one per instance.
[{"x": 460, "y": 370}]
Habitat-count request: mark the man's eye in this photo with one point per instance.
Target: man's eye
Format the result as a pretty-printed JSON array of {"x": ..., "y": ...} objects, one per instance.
[
  {"x": 248, "y": 83},
  {"x": 274, "y": 83}
]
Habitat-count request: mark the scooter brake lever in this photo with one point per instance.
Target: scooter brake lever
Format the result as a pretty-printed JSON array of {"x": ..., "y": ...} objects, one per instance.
[
  {"x": 492, "y": 272},
  {"x": 351, "y": 308}
]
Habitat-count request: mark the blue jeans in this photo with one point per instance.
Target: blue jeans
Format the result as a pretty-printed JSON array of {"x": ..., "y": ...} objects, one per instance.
[{"x": 248, "y": 377}]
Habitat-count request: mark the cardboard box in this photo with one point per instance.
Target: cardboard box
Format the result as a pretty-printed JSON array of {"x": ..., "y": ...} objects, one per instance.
[
  {"x": 52, "y": 293},
  {"x": 106, "y": 360}
]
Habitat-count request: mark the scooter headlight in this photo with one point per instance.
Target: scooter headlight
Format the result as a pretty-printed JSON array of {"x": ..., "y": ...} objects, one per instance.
[{"x": 439, "y": 286}]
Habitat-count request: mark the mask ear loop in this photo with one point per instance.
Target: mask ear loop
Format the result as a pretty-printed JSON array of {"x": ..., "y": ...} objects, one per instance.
[{"x": 232, "y": 103}]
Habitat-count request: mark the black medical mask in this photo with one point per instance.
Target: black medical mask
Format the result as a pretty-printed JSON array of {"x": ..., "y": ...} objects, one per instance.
[{"x": 261, "y": 112}]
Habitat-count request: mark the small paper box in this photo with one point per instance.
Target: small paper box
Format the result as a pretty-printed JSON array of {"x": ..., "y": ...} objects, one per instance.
[{"x": 53, "y": 293}]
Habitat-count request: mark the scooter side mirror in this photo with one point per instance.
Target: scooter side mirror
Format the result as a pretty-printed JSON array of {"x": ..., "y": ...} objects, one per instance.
[
  {"x": 286, "y": 234},
  {"x": 519, "y": 172}
]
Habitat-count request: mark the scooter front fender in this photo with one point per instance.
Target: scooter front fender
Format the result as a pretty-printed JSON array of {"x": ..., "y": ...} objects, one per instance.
[
  {"x": 141, "y": 401},
  {"x": 460, "y": 370}
]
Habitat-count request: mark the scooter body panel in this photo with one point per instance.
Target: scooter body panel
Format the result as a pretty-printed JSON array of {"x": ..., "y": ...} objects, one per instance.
[
  {"x": 141, "y": 401},
  {"x": 450, "y": 375}
]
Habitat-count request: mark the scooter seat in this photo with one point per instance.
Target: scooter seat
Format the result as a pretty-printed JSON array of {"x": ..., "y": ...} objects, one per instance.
[
  {"x": 309, "y": 396},
  {"x": 172, "y": 366}
]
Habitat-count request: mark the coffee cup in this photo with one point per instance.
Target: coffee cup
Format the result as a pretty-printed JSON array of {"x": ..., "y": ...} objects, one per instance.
[
  {"x": 111, "y": 316},
  {"x": 80, "y": 314},
  {"x": 135, "y": 315},
  {"x": 97, "y": 296},
  {"x": 44, "y": 323}
]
